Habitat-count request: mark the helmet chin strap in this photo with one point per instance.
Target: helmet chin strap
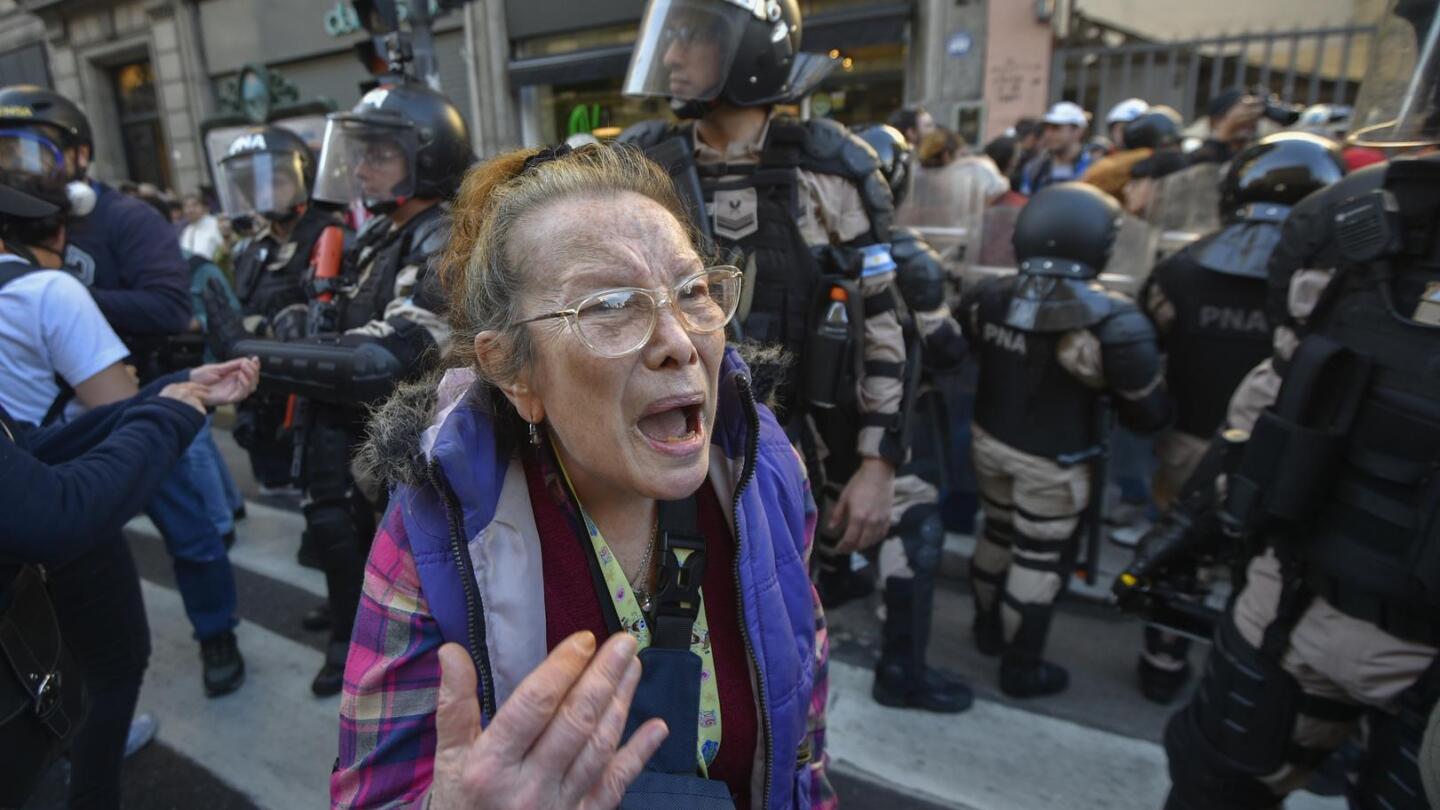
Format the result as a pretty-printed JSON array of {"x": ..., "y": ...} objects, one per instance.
[{"x": 691, "y": 110}]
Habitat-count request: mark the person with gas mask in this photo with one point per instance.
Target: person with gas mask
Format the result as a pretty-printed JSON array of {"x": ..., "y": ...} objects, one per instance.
[
  {"x": 1051, "y": 343},
  {"x": 1208, "y": 303},
  {"x": 125, "y": 252},
  {"x": 803, "y": 209},
  {"x": 265, "y": 181},
  {"x": 1324, "y": 478},
  {"x": 374, "y": 319}
]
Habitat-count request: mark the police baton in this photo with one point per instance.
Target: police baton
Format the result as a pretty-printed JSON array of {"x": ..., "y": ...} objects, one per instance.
[{"x": 1094, "y": 515}]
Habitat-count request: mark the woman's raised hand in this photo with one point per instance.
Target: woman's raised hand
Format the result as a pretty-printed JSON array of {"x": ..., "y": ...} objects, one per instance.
[{"x": 554, "y": 745}]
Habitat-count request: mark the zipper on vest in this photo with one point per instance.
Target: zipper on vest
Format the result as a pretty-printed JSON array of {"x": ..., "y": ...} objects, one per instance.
[
  {"x": 747, "y": 472},
  {"x": 474, "y": 605}
]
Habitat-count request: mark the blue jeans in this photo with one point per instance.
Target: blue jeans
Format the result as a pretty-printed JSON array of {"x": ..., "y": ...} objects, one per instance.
[{"x": 191, "y": 509}]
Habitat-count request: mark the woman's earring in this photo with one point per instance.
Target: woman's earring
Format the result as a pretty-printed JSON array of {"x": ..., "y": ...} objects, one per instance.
[{"x": 534, "y": 434}]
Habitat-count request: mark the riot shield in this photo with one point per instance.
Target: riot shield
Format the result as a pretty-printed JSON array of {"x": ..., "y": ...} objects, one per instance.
[
  {"x": 1134, "y": 255},
  {"x": 994, "y": 252},
  {"x": 947, "y": 206},
  {"x": 1186, "y": 204}
]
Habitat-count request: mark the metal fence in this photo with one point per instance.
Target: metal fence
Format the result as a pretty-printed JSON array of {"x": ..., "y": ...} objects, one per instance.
[{"x": 1307, "y": 66}]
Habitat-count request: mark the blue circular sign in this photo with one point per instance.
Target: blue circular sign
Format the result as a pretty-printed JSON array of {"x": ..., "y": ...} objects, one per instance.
[{"x": 959, "y": 44}]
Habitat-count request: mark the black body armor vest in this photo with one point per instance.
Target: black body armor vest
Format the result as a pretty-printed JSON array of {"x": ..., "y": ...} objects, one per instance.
[
  {"x": 374, "y": 263},
  {"x": 1376, "y": 549},
  {"x": 1220, "y": 333},
  {"x": 1024, "y": 397},
  {"x": 265, "y": 291}
]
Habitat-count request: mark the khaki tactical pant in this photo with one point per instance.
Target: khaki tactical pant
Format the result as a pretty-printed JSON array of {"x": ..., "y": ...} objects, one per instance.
[
  {"x": 1333, "y": 656},
  {"x": 1032, "y": 509},
  {"x": 1178, "y": 453}
]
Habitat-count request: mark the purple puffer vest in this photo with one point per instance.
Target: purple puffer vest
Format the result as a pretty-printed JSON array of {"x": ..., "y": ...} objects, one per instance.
[{"x": 465, "y": 477}]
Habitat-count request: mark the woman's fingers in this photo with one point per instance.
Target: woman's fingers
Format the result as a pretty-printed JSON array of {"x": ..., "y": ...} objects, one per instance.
[
  {"x": 578, "y": 716},
  {"x": 532, "y": 706},
  {"x": 626, "y": 765},
  {"x": 600, "y": 746},
  {"x": 457, "y": 711}
]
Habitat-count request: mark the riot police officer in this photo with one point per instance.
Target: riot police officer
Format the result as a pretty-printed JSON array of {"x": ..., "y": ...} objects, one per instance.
[
  {"x": 266, "y": 177},
  {"x": 401, "y": 152},
  {"x": 806, "y": 211},
  {"x": 1332, "y": 481},
  {"x": 897, "y": 157},
  {"x": 1208, "y": 304},
  {"x": 1050, "y": 343}
]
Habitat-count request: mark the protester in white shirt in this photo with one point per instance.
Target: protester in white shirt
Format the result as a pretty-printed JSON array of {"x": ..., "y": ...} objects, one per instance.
[{"x": 202, "y": 236}]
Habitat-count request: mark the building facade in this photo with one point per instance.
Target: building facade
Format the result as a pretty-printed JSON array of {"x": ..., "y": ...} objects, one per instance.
[{"x": 150, "y": 72}]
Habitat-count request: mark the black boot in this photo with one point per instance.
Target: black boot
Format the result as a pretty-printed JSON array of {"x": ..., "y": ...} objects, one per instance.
[
  {"x": 1161, "y": 685},
  {"x": 317, "y": 618},
  {"x": 224, "y": 668},
  {"x": 837, "y": 583},
  {"x": 332, "y": 673},
  {"x": 902, "y": 679},
  {"x": 987, "y": 632},
  {"x": 1023, "y": 672}
]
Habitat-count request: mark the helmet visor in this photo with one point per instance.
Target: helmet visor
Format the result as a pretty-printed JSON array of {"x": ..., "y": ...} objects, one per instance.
[
  {"x": 366, "y": 161},
  {"x": 685, "y": 49},
  {"x": 29, "y": 152},
  {"x": 265, "y": 183},
  {"x": 1399, "y": 103}
]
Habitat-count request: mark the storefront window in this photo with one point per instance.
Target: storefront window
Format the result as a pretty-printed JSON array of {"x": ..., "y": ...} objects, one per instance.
[
  {"x": 594, "y": 107},
  {"x": 868, "y": 86},
  {"x": 139, "y": 115}
]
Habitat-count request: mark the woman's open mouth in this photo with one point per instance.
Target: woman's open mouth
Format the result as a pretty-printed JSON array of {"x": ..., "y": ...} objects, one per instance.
[{"x": 675, "y": 425}]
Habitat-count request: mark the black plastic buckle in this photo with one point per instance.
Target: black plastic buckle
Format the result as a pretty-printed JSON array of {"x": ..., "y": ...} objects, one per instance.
[{"x": 677, "y": 589}]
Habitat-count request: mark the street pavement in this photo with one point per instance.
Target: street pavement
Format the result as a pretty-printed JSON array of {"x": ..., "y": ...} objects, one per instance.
[{"x": 272, "y": 744}]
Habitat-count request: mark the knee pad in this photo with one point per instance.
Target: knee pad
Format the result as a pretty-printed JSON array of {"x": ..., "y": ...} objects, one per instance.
[
  {"x": 1202, "y": 777},
  {"x": 923, "y": 534},
  {"x": 329, "y": 523},
  {"x": 1246, "y": 705},
  {"x": 1389, "y": 778}
]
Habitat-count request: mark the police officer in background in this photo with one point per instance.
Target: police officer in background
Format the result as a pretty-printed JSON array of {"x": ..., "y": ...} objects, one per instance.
[
  {"x": 401, "y": 152},
  {"x": 910, "y": 557},
  {"x": 805, "y": 208},
  {"x": 265, "y": 178},
  {"x": 1334, "y": 444},
  {"x": 1050, "y": 342},
  {"x": 1208, "y": 304}
]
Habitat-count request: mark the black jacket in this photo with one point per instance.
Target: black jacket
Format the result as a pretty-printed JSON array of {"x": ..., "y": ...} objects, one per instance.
[{"x": 66, "y": 488}]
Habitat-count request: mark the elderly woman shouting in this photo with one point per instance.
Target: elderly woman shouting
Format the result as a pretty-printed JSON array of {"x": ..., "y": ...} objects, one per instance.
[{"x": 594, "y": 466}]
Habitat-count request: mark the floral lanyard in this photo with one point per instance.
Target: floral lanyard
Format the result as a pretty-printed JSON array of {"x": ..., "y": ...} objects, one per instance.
[{"x": 632, "y": 620}]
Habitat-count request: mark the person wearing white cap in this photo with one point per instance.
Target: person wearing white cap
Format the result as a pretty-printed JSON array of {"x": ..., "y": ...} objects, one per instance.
[
  {"x": 1063, "y": 155},
  {"x": 1122, "y": 114}
]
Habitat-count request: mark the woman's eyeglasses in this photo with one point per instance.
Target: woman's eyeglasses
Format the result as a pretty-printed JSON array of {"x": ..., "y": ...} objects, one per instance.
[{"x": 614, "y": 323}]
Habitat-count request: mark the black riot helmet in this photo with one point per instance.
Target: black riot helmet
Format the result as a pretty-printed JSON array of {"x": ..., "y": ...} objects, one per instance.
[
  {"x": 267, "y": 171},
  {"x": 401, "y": 141},
  {"x": 1280, "y": 169},
  {"x": 1067, "y": 230},
  {"x": 1398, "y": 104},
  {"x": 698, "y": 53},
  {"x": 28, "y": 108},
  {"x": 1156, "y": 128},
  {"x": 895, "y": 156}
]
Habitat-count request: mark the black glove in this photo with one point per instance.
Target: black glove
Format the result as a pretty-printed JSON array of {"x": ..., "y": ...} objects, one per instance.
[
  {"x": 1166, "y": 543},
  {"x": 223, "y": 326}
]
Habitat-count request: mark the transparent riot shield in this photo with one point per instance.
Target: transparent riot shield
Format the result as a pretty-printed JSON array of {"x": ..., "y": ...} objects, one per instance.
[
  {"x": 1134, "y": 255},
  {"x": 994, "y": 252},
  {"x": 1186, "y": 204},
  {"x": 947, "y": 207}
]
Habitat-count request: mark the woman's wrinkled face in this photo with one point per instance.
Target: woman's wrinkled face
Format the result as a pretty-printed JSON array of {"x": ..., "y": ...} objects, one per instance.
[{"x": 639, "y": 423}]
